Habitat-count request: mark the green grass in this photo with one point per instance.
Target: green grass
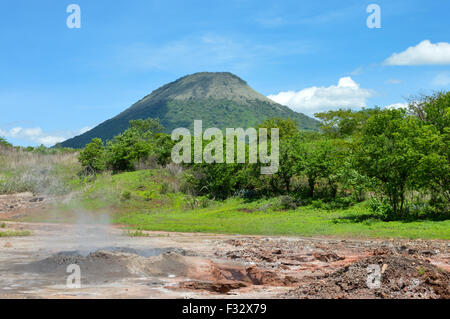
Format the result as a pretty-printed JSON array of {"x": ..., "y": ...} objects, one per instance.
[
  {"x": 137, "y": 199},
  {"x": 15, "y": 233},
  {"x": 237, "y": 217},
  {"x": 114, "y": 195},
  {"x": 127, "y": 191},
  {"x": 421, "y": 271},
  {"x": 137, "y": 233}
]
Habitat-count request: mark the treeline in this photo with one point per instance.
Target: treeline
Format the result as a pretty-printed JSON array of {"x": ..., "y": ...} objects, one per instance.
[
  {"x": 397, "y": 158},
  {"x": 5, "y": 146},
  {"x": 142, "y": 145}
]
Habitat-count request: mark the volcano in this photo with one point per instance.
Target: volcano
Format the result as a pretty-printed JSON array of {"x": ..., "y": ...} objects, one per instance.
[{"x": 219, "y": 99}]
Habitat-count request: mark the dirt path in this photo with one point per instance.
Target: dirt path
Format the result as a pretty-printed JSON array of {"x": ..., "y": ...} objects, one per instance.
[{"x": 180, "y": 265}]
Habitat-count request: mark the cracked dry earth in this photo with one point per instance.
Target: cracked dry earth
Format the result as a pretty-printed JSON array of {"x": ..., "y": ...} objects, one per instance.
[{"x": 180, "y": 265}]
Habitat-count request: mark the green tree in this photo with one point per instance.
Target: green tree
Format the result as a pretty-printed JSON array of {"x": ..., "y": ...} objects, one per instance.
[
  {"x": 138, "y": 142},
  {"x": 93, "y": 156},
  {"x": 389, "y": 151},
  {"x": 217, "y": 180},
  {"x": 163, "y": 148},
  {"x": 5, "y": 143},
  {"x": 319, "y": 159},
  {"x": 433, "y": 172},
  {"x": 289, "y": 136},
  {"x": 434, "y": 109},
  {"x": 344, "y": 122},
  {"x": 288, "y": 158},
  {"x": 287, "y": 127},
  {"x": 351, "y": 180}
]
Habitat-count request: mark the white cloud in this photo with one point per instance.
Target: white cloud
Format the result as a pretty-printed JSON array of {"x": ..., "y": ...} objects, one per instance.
[
  {"x": 85, "y": 129},
  {"x": 358, "y": 71},
  {"x": 423, "y": 53},
  {"x": 37, "y": 136},
  {"x": 442, "y": 79},
  {"x": 318, "y": 99},
  {"x": 50, "y": 140}
]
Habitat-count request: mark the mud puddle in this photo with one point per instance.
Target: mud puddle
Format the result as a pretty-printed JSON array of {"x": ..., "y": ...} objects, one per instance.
[
  {"x": 180, "y": 265},
  {"x": 111, "y": 264}
]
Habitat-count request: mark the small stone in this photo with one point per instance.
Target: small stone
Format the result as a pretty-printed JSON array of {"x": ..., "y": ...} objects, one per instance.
[
  {"x": 383, "y": 269},
  {"x": 427, "y": 253}
]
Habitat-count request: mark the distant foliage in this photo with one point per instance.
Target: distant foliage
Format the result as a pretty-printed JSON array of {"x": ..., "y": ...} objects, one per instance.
[
  {"x": 136, "y": 143},
  {"x": 141, "y": 144},
  {"x": 344, "y": 123},
  {"x": 4, "y": 143},
  {"x": 93, "y": 156},
  {"x": 399, "y": 159}
]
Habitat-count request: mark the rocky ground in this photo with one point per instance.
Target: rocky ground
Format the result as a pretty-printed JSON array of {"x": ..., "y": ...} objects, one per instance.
[
  {"x": 17, "y": 204},
  {"x": 179, "y": 265},
  {"x": 401, "y": 277}
]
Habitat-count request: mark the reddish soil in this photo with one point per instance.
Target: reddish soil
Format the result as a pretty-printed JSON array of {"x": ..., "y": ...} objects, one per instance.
[
  {"x": 342, "y": 267},
  {"x": 402, "y": 277},
  {"x": 180, "y": 265},
  {"x": 18, "y": 205}
]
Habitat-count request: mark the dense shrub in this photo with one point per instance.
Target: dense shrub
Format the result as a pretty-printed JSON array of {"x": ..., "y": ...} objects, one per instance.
[
  {"x": 93, "y": 156},
  {"x": 383, "y": 154},
  {"x": 286, "y": 203},
  {"x": 382, "y": 208}
]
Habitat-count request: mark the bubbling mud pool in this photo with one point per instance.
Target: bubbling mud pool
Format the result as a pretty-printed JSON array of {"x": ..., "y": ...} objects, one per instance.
[{"x": 111, "y": 264}]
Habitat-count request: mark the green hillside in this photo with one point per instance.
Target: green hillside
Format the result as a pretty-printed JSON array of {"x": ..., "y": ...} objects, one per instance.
[{"x": 219, "y": 99}]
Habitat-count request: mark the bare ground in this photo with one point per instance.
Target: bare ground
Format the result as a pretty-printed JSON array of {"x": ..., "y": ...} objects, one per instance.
[
  {"x": 18, "y": 204},
  {"x": 179, "y": 265},
  {"x": 182, "y": 265}
]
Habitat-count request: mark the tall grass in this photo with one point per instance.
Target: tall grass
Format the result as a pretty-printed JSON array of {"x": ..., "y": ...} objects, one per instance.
[{"x": 37, "y": 172}]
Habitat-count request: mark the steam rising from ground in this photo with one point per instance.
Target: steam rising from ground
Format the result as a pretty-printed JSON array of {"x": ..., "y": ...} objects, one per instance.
[
  {"x": 87, "y": 233},
  {"x": 90, "y": 231},
  {"x": 47, "y": 174}
]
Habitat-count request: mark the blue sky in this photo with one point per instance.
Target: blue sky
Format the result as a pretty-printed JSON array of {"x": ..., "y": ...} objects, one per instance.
[{"x": 56, "y": 82}]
